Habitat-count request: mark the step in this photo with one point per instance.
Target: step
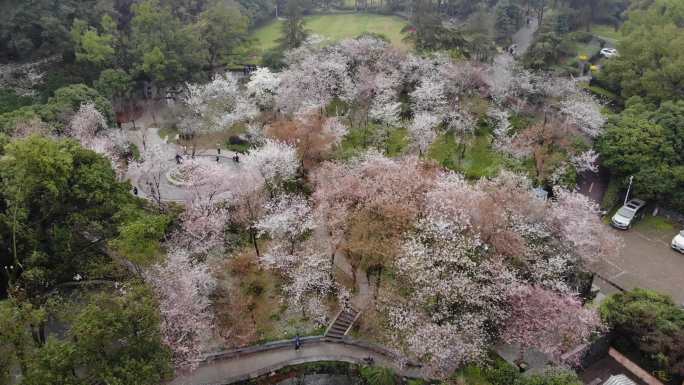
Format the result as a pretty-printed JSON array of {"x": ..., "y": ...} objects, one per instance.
[
  {"x": 340, "y": 328},
  {"x": 335, "y": 335}
]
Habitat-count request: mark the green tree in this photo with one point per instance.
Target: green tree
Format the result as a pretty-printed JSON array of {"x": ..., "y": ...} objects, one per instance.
[
  {"x": 646, "y": 142},
  {"x": 61, "y": 106},
  {"x": 116, "y": 85},
  {"x": 38, "y": 28},
  {"x": 293, "y": 31},
  {"x": 54, "y": 363},
  {"x": 426, "y": 31},
  {"x": 91, "y": 46},
  {"x": 60, "y": 205},
  {"x": 650, "y": 321},
  {"x": 222, "y": 28},
  {"x": 139, "y": 239},
  {"x": 164, "y": 49},
  {"x": 651, "y": 61},
  {"x": 114, "y": 338},
  {"x": 508, "y": 20},
  {"x": 118, "y": 341},
  {"x": 19, "y": 335}
]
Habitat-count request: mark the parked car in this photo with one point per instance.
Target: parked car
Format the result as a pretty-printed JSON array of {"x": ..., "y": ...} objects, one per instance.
[
  {"x": 609, "y": 52},
  {"x": 627, "y": 214},
  {"x": 678, "y": 242}
]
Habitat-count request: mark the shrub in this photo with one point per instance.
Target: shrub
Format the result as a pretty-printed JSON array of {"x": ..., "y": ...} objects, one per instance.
[
  {"x": 650, "y": 322},
  {"x": 375, "y": 375}
]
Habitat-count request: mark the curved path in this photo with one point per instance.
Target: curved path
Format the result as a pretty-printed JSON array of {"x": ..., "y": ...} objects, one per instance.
[
  {"x": 169, "y": 191},
  {"x": 242, "y": 364}
]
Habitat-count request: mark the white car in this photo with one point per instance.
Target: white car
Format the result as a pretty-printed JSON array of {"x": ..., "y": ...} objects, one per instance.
[
  {"x": 678, "y": 242},
  {"x": 625, "y": 217},
  {"x": 609, "y": 52}
]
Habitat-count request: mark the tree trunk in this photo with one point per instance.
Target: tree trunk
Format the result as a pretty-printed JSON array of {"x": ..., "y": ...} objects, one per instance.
[{"x": 252, "y": 235}]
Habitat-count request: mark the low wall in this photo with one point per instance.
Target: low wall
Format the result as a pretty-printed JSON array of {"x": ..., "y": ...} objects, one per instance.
[{"x": 633, "y": 368}]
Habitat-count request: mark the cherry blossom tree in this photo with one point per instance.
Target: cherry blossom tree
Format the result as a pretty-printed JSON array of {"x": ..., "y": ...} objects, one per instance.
[
  {"x": 310, "y": 133},
  {"x": 206, "y": 209},
  {"x": 287, "y": 218},
  {"x": 183, "y": 288},
  {"x": 275, "y": 161},
  {"x": 576, "y": 219},
  {"x": 547, "y": 321},
  {"x": 89, "y": 127},
  {"x": 263, "y": 87},
  {"x": 308, "y": 281},
  {"x": 422, "y": 130},
  {"x": 313, "y": 81},
  {"x": 372, "y": 190},
  {"x": 444, "y": 262},
  {"x": 150, "y": 172},
  {"x": 215, "y": 106},
  {"x": 86, "y": 124},
  {"x": 585, "y": 161},
  {"x": 584, "y": 112}
]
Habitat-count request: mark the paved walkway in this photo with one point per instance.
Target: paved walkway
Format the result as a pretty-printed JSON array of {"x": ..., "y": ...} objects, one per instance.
[
  {"x": 257, "y": 361},
  {"x": 525, "y": 36},
  {"x": 169, "y": 191}
]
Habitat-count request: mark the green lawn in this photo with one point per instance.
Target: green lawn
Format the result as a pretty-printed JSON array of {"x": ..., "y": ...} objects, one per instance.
[
  {"x": 479, "y": 159},
  {"x": 337, "y": 27},
  {"x": 606, "y": 32}
]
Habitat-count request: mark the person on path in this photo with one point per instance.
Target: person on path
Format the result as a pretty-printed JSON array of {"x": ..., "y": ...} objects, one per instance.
[
  {"x": 178, "y": 159},
  {"x": 218, "y": 150},
  {"x": 135, "y": 191},
  {"x": 236, "y": 158},
  {"x": 297, "y": 342}
]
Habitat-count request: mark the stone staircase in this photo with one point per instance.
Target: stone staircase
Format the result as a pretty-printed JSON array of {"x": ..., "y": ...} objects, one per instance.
[{"x": 342, "y": 323}]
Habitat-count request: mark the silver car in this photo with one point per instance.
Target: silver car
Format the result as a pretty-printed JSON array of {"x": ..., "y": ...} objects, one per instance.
[{"x": 626, "y": 216}]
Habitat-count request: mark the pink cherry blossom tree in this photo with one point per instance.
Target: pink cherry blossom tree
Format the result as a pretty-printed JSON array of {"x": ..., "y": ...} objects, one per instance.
[
  {"x": 275, "y": 161},
  {"x": 550, "y": 322},
  {"x": 183, "y": 288},
  {"x": 576, "y": 220}
]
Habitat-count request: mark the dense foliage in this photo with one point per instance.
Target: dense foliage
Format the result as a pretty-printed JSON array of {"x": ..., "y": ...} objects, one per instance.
[
  {"x": 92, "y": 352},
  {"x": 651, "y": 323},
  {"x": 60, "y": 203},
  {"x": 647, "y": 142}
]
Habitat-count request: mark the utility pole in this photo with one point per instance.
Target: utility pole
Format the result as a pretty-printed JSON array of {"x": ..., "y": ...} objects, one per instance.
[{"x": 631, "y": 179}]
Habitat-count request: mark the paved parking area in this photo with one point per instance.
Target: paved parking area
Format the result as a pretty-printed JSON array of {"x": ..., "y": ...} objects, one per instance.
[{"x": 646, "y": 261}]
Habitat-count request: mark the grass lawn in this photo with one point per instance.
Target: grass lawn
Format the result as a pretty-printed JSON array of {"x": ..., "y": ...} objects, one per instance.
[
  {"x": 606, "y": 32},
  {"x": 478, "y": 160},
  {"x": 392, "y": 142},
  {"x": 337, "y": 27},
  {"x": 658, "y": 224}
]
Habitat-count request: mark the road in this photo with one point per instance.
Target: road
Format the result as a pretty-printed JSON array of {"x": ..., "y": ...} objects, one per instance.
[
  {"x": 265, "y": 360},
  {"x": 646, "y": 261}
]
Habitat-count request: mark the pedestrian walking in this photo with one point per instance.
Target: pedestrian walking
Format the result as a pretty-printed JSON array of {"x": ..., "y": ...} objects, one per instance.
[
  {"x": 218, "y": 150},
  {"x": 178, "y": 159},
  {"x": 236, "y": 158},
  {"x": 135, "y": 191},
  {"x": 297, "y": 342}
]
